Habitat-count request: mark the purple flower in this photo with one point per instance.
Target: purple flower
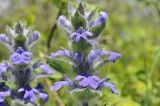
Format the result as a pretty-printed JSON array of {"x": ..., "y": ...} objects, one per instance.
[
  {"x": 58, "y": 85},
  {"x": 95, "y": 83},
  {"x": 29, "y": 93},
  {"x": 63, "y": 52},
  {"x": 78, "y": 56},
  {"x": 21, "y": 56},
  {"x": 113, "y": 56},
  {"x": 43, "y": 96},
  {"x": 46, "y": 69},
  {"x": 35, "y": 36},
  {"x": 63, "y": 21},
  {"x": 5, "y": 39},
  {"x": 102, "y": 18},
  {"x": 91, "y": 81},
  {"x": 104, "y": 83},
  {"x": 4, "y": 91},
  {"x": 3, "y": 68},
  {"x": 95, "y": 55},
  {"x": 3, "y": 94},
  {"x": 81, "y": 33},
  {"x": 81, "y": 82}
]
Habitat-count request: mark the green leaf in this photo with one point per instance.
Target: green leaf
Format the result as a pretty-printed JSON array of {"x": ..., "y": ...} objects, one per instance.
[
  {"x": 60, "y": 66},
  {"x": 78, "y": 21},
  {"x": 19, "y": 28},
  {"x": 96, "y": 30},
  {"x": 20, "y": 41},
  {"x": 92, "y": 14},
  {"x": 82, "y": 46},
  {"x": 58, "y": 3},
  {"x": 81, "y": 9},
  {"x": 71, "y": 9}
]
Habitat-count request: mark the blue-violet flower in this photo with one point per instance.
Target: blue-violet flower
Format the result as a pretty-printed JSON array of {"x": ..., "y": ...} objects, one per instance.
[
  {"x": 80, "y": 33},
  {"x": 94, "y": 55},
  {"x": 63, "y": 21},
  {"x": 93, "y": 82},
  {"x": 21, "y": 56},
  {"x": 102, "y": 18},
  {"x": 63, "y": 52}
]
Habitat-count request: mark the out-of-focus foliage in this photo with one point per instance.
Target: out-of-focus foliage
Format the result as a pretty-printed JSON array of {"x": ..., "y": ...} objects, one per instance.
[{"x": 133, "y": 30}]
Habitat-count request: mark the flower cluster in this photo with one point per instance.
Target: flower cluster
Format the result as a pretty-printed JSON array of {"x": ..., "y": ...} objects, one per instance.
[
  {"x": 21, "y": 56},
  {"x": 81, "y": 33},
  {"x": 20, "y": 70},
  {"x": 92, "y": 82},
  {"x": 83, "y": 59},
  {"x": 84, "y": 56},
  {"x": 30, "y": 94}
]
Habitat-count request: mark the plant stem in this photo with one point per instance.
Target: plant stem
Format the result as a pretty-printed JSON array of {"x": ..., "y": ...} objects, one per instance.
[
  {"x": 85, "y": 104},
  {"x": 54, "y": 27}
]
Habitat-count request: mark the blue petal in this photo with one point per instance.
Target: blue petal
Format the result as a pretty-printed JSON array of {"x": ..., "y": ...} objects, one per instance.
[
  {"x": 30, "y": 95},
  {"x": 2, "y": 97},
  {"x": 63, "y": 21},
  {"x": 80, "y": 33},
  {"x": 21, "y": 56},
  {"x": 46, "y": 69},
  {"x": 35, "y": 36},
  {"x": 43, "y": 96},
  {"x": 58, "y": 85},
  {"x": 4, "y": 39},
  {"x": 3, "y": 69},
  {"x": 60, "y": 53},
  {"x": 111, "y": 86},
  {"x": 113, "y": 56}
]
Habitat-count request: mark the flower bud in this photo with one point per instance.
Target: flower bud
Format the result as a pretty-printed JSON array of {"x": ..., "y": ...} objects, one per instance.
[
  {"x": 4, "y": 39},
  {"x": 35, "y": 36}
]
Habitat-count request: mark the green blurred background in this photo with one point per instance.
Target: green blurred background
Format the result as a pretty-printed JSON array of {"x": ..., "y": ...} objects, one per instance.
[{"x": 133, "y": 30}]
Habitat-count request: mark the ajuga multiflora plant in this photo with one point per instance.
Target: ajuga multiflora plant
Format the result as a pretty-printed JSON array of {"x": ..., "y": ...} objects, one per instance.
[
  {"x": 85, "y": 56},
  {"x": 18, "y": 73}
]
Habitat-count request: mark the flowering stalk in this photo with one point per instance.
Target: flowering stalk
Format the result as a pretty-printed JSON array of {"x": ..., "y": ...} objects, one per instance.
[
  {"x": 84, "y": 55},
  {"x": 19, "y": 71}
]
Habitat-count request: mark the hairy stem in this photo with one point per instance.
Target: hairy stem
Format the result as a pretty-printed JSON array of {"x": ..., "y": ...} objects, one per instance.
[
  {"x": 54, "y": 27},
  {"x": 85, "y": 104}
]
